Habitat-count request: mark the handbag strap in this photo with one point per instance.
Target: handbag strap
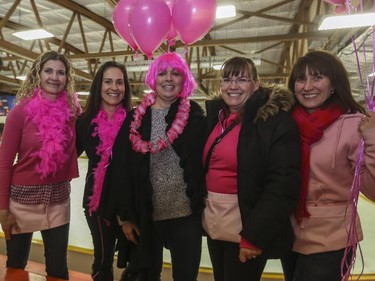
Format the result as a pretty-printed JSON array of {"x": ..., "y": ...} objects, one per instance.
[{"x": 217, "y": 140}]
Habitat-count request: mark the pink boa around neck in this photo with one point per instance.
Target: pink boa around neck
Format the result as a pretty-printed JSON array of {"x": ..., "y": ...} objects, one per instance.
[
  {"x": 53, "y": 122},
  {"x": 106, "y": 129}
]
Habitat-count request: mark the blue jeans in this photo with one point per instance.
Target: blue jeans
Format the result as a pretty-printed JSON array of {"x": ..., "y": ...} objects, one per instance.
[
  {"x": 55, "y": 242},
  {"x": 314, "y": 267},
  {"x": 104, "y": 236},
  {"x": 183, "y": 238},
  {"x": 227, "y": 266}
]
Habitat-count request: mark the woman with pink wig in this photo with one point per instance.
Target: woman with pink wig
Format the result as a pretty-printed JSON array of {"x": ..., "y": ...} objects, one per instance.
[{"x": 156, "y": 176}]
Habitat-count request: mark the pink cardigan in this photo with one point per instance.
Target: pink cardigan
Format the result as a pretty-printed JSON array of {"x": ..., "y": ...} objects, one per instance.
[
  {"x": 332, "y": 164},
  {"x": 20, "y": 137}
]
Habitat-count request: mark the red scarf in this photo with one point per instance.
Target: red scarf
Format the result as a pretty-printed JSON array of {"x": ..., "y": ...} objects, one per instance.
[{"x": 311, "y": 127}]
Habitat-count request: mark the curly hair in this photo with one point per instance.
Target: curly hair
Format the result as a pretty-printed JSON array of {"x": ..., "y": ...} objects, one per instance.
[
  {"x": 33, "y": 79},
  {"x": 176, "y": 62}
]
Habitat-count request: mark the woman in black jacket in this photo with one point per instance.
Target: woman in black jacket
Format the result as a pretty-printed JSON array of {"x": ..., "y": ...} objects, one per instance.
[
  {"x": 156, "y": 175},
  {"x": 97, "y": 127},
  {"x": 257, "y": 163}
]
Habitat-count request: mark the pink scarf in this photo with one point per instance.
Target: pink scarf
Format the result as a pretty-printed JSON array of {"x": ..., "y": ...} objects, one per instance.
[
  {"x": 54, "y": 129},
  {"x": 311, "y": 127},
  {"x": 106, "y": 129}
]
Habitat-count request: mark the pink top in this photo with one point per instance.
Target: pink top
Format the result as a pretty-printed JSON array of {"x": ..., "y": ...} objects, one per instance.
[
  {"x": 222, "y": 174},
  {"x": 332, "y": 163},
  {"x": 20, "y": 137}
]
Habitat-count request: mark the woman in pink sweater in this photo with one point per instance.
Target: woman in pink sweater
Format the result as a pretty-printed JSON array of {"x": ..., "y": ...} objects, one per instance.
[
  {"x": 34, "y": 190},
  {"x": 331, "y": 125}
]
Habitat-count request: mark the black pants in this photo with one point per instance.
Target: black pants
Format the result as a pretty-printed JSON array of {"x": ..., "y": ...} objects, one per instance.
[
  {"x": 183, "y": 238},
  {"x": 104, "y": 236},
  {"x": 55, "y": 242},
  {"x": 226, "y": 263},
  {"x": 314, "y": 267}
]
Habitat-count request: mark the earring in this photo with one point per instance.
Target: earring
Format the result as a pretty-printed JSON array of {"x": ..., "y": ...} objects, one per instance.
[{"x": 332, "y": 91}]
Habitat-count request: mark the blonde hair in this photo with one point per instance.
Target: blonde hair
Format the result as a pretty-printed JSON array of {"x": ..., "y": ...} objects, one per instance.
[{"x": 26, "y": 91}]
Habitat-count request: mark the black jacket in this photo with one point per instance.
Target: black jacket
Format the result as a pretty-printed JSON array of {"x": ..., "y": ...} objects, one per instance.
[
  {"x": 86, "y": 143},
  {"x": 268, "y": 154},
  {"x": 129, "y": 179}
]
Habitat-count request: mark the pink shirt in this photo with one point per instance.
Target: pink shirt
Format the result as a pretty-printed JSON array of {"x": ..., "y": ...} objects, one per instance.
[
  {"x": 222, "y": 174},
  {"x": 20, "y": 138}
]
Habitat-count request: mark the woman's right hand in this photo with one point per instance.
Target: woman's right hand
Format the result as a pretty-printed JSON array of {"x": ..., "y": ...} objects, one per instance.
[
  {"x": 8, "y": 222},
  {"x": 131, "y": 231},
  {"x": 367, "y": 122}
]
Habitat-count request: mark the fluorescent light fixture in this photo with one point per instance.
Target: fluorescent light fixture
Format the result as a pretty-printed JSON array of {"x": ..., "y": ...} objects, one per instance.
[
  {"x": 21, "y": 77},
  {"x": 83, "y": 93},
  {"x": 257, "y": 61},
  {"x": 227, "y": 11},
  {"x": 147, "y": 91},
  {"x": 33, "y": 34},
  {"x": 372, "y": 74},
  {"x": 348, "y": 21}
]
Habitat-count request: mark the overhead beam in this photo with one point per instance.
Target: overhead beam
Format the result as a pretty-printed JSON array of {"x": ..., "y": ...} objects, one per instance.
[
  {"x": 218, "y": 42},
  {"x": 74, "y": 7},
  {"x": 10, "y": 81},
  {"x": 29, "y": 55}
]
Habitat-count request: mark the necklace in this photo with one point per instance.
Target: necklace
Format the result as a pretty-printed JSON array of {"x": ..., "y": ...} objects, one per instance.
[
  {"x": 53, "y": 121},
  {"x": 106, "y": 129},
  {"x": 178, "y": 126}
]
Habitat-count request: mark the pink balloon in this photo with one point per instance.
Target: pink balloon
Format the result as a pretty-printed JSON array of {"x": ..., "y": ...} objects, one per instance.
[
  {"x": 335, "y": 2},
  {"x": 172, "y": 34},
  {"x": 193, "y": 18},
  {"x": 149, "y": 23},
  {"x": 120, "y": 20}
]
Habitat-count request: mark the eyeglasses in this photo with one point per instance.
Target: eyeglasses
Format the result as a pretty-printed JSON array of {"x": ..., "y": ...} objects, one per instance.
[{"x": 240, "y": 81}]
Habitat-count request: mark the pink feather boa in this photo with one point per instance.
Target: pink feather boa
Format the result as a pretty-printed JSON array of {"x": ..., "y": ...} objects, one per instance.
[
  {"x": 54, "y": 129},
  {"x": 106, "y": 130}
]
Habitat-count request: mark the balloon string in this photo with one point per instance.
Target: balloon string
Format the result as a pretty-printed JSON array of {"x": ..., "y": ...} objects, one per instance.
[{"x": 349, "y": 258}]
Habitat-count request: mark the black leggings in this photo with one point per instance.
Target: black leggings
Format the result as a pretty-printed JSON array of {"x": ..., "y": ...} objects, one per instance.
[
  {"x": 104, "y": 236},
  {"x": 226, "y": 263},
  {"x": 55, "y": 242}
]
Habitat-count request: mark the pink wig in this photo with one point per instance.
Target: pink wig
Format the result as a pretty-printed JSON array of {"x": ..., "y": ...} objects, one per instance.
[{"x": 176, "y": 62}]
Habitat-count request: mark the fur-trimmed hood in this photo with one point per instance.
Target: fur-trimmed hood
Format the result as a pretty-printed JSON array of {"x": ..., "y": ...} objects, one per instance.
[
  {"x": 266, "y": 102},
  {"x": 277, "y": 98}
]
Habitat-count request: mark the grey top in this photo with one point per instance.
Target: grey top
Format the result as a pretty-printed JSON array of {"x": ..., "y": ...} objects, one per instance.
[{"x": 169, "y": 189}]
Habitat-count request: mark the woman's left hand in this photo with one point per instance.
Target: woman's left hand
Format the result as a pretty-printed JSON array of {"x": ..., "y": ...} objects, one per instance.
[
  {"x": 367, "y": 122},
  {"x": 247, "y": 254}
]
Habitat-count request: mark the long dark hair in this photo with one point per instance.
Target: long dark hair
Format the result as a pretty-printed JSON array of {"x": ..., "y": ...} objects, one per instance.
[
  {"x": 328, "y": 65},
  {"x": 94, "y": 99}
]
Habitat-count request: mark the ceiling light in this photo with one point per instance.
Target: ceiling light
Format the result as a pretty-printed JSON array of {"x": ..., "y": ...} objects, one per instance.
[
  {"x": 33, "y": 34},
  {"x": 372, "y": 74},
  {"x": 147, "y": 91},
  {"x": 227, "y": 11},
  {"x": 21, "y": 77},
  {"x": 347, "y": 21},
  {"x": 83, "y": 93},
  {"x": 256, "y": 60}
]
